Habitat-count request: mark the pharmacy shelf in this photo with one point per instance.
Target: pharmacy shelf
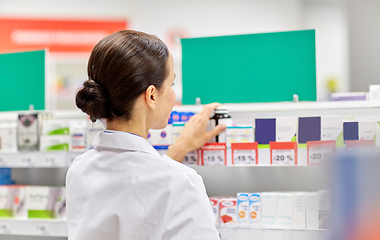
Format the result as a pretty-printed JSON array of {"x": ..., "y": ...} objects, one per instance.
[
  {"x": 57, "y": 228},
  {"x": 37, "y": 159},
  {"x": 38, "y": 227},
  {"x": 232, "y": 233},
  {"x": 287, "y": 106}
]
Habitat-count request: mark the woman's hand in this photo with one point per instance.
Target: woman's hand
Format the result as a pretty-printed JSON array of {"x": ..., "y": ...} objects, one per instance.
[{"x": 194, "y": 134}]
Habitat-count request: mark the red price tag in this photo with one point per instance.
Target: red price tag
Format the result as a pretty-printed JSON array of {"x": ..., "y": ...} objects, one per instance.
[
  {"x": 355, "y": 145},
  {"x": 244, "y": 154},
  {"x": 214, "y": 154},
  {"x": 283, "y": 153},
  {"x": 320, "y": 152}
]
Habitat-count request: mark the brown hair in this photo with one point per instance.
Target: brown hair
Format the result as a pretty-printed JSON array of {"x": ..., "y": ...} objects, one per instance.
[{"x": 121, "y": 67}]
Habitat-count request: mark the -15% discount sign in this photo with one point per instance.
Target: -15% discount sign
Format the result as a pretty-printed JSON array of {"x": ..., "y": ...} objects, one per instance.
[{"x": 244, "y": 154}]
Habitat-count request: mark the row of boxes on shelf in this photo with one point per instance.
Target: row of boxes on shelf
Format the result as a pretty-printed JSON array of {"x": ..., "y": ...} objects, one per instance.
[
  {"x": 33, "y": 132},
  {"x": 32, "y": 202},
  {"x": 277, "y": 141},
  {"x": 301, "y": 210}
]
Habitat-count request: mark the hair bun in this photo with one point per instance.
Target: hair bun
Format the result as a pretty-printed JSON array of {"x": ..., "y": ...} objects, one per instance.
[{"x": 92, "y": 100}]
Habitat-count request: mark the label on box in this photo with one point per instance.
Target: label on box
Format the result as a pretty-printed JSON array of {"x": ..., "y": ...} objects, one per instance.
[
  {"x": 227, "y": 212},
  {"x": 283, "y": 153},
  {"x": 244, "y": 154},
  {"x": 214, "y": 154},
  {"x": 320, "y": 152}
]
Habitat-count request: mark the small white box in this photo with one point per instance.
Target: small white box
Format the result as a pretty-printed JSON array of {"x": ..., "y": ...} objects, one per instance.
[
  {"x": 331, "y": 127},
  {"x": 255, "y": 209},
  {"x": 243, "y": 209},
  {"x": 40, "y": 201},
  {"x": 19, "y": 204},
  {"x": 268, "y": 209},
  {"x": 7, "y": 194},
  {"x": 286, "y": 129},
  {"x": 177, "y": 128},
  {"x": 299, "y": 210},
  {"x": 312, "y": 210},
  {"x": 239, "y": 134},
  {"x": 160, "y": 137},
  {"x": 228, "y": 212},
  {"x": 55, "y": 143},
  {"x": 367, "y": 130},
  {"x": 55, "y": 127},
  {"x": 78, "y": 135},
  {"x": 27, "y": 132},
  {"x": 214, "y": 201},
  {"x": 60, "y": 204},
  {"x": 8, "y": 137},
  {"x": 284, "y": 217}
]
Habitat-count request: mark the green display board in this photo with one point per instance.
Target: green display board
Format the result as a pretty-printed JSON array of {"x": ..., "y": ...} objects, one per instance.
[
  {"x": 265, "y": 67},
  {"x": 22, "y": 79}
]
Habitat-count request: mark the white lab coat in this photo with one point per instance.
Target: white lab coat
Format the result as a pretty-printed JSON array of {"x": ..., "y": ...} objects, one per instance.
[{"x": 124, "y": 190}]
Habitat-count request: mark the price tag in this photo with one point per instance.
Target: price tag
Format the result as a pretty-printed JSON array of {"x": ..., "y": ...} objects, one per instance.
[
  {"x": 191, "y": 158},
  {"x": 27, "y": 160},
  {"x": 320, "y": 155},
  {"x": 214, "y": 157},
  {"x": 5, "y": 228},
  {"x": 50, "y": 160},
  {"x": 283, "y": 157},
  {"x": 244, "y": 157},
  {"x": 42, "y": 229},
  {"x": 3, "y": 161}
]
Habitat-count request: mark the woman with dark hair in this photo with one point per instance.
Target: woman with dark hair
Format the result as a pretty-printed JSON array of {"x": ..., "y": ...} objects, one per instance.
[{"x": 123, "y": 189}]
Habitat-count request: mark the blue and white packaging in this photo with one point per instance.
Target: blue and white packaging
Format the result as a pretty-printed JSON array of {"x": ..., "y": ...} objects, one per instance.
[
  {"x": 243, "y": 209},
  {"x": 255, "y": 209}
]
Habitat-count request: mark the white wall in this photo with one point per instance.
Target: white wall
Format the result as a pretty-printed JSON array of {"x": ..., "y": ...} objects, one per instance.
[{"x": 197, "y": 18}]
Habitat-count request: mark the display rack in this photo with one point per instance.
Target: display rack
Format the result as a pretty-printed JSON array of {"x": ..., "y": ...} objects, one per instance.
[
  {"x": 40, "y": 227},
  {"x": 37, "y": 159}
]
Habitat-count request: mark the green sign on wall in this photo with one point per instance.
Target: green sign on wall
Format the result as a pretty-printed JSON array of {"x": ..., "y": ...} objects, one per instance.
[
  {"x": 265, "y": 67},
  {"x": 22, "y": 79}
]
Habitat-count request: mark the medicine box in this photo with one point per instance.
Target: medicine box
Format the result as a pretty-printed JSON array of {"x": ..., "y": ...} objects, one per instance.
[
  {"x": 228, "y": 212},
  {"x": 7, "y": 194},
  {"x": 268, "y": 209},
  {"x": 239, "y": 134},
  {"x": 331, "y": 127},
  {"x": 41, "y": 200},
  {"x": 55, "y": 127},
  {"x": 312, "y": 210},
  {"x": 299, "y": 210},
  {"x": 214, "y": 201},
  {"x": 255, "y": 209},
  {"x": 309, "y": 129},
  {"x": 284, "y": 218},
  {"x": 60, "y": 204},
  {"x": 19, "y": 203},
  {"x": 286, "y": 129},
  {"x": 265, "y": 130},
  {"x": 243, "y": 209},
  {"x": 8, "y": 137},
  {"x": 55, "y": 143},
  {"x": 27, "y": 132}
]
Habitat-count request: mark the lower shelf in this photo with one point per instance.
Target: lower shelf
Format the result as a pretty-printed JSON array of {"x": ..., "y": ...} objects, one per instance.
[
  {"x": 38, "y": 227},
  {"x": 57, "y": 228}
]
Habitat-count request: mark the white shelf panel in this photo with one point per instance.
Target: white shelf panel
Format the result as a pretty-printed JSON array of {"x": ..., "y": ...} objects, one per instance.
[
  {"x": 57, "y": 228},
  {"x": 38, "y": 227},
  {"x": 37, "y": 159},
  {"x": 287, "y": 106},
  {"x": 230, "y": 233}
]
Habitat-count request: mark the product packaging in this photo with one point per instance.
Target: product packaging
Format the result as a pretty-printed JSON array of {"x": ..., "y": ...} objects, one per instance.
[
  {"x": 324, "y": 202},
  {"x": 367, "y": 130},
  {"x": 312, "y": 210},
  {"x": 55, "y": 143},
  {"x": 331, "y": 128},
  {"x": 265, "y": 131},
  {"x": 6, "y": 201},
  {"x": 161, "y": 137},
  {"x": 255, "y": 209},
  {"x": 214, "y": 201},
  {"x": 60, "y": 205},
  {"x": 284, "y": 218},
  {"x": 19, "y": 203},
  {"x": 351, "y": 131},
  {"x": 299, "y": 210},
  {"x": 27, "y": 134},
  {"x": 286, "y": 129},
  {"x": 228, "y": 212},
  {"x": 41, "y": 200},
  {"x": 161, "y": 149},
  {"x": 309, "y": 129},
  {"x": 268, "y": 209},
  {"x": 239, "y": 134},
  {"x": 177, "y": 128},
  {"x": 243, "y": 209},
  {"x": 55, "y": 127},
  {"x": 8, "y": 137},
  {"x": 78, "y": 135}
]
